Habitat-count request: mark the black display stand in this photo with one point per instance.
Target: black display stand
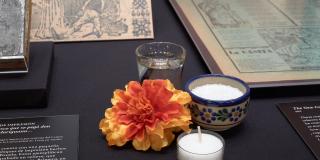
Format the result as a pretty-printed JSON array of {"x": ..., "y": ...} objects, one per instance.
[{"x": 31, "y": 89}]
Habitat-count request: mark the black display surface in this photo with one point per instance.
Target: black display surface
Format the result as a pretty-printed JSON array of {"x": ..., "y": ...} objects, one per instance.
[
  {"x": 30, "y": 89},
  {"x": 85, "y": 75},
  {"x": 47, "y": 138}
]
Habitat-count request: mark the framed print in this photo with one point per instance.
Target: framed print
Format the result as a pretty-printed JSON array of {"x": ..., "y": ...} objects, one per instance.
[
  {"x": 266, "y": 43},
  {"x": 91, "y": 20},
  {"x": 14, "y": 33}
]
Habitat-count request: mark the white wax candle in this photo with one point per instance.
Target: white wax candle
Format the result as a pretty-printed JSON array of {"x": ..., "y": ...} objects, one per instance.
[{"x": 190, "y": 148}]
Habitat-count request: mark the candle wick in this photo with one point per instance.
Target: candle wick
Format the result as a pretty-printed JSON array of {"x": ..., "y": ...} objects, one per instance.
[{"x": 199, "y": 134}]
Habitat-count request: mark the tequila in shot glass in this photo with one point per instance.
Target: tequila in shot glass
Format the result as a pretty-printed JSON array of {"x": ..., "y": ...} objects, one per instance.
[{"x": 161, "y": 60}]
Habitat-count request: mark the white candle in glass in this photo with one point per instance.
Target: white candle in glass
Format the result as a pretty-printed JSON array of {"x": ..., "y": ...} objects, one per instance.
[{"x": 209, "y": 147}]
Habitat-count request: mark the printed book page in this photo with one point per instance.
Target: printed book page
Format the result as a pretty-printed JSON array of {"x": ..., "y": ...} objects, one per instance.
[{"x": 91, "y": 20}]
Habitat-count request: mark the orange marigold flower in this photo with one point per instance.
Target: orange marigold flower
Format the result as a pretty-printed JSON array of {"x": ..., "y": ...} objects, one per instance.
[{"x": 146, "y": 114}]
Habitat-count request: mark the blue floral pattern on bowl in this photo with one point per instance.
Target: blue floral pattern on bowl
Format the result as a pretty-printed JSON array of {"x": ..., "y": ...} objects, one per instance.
[
  {"x": 223, "y": 116},
  {"x": 209, "y": 116}
]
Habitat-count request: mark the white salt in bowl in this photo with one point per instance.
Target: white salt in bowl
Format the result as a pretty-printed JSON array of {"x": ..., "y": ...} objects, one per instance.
[{"x": 227, "y": 110}]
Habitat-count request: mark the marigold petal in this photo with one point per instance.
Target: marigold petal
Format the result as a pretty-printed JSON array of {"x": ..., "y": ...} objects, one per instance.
[
  {"x": 117, "y": 95},
  {"x": 134, "y": 88},
  {"x": 185, "y": 128},
  {"x": 131, "y": 131},
  {"x": 169, "y": 136},
  {"x": 143, "y": 145},
  {"x": 176, "y": 123},
  {"x": 158, "y": 97},
  {"x": 157, "y": 130},
  {"x": 172, "y": 109},
  {"x": 157, "y": 93},
  {"x": 104, "y": 126},
  {"x": 122, "y": 106},
  {"x": 109, "y": 113},
  {"x": 183, "y": 121},
  {"x": 152, "y": 122},
  {"x": 114, "y": 133},
  {"x": 140, "y": 135},
  {"x": 157, "y": 143},
  {"x": 116, "y": 137},
  {"x": 125, "y": 119},
  {"x": 162, "y": 116},
  {"x": 121, "y": 96},
  {"x": 180, "y": 97},
  {"x": 162, "y": 97}
]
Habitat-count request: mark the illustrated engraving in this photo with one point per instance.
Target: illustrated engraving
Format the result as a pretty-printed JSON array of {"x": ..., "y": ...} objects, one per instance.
[
  {"x": 265, "y": 36},
  {"x": 301, "y": 12},
  {"x": 298, "y": 47},
  {"x": 11, "y": 27},
  {"x": 83, "y": 20}
]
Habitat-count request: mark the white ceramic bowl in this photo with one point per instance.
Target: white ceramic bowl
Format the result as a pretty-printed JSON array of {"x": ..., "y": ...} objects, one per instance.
[{"x": 218, "y": 115}]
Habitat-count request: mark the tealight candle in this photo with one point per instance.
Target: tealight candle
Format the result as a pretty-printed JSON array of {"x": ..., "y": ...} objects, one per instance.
[{"x": 206, "y": 146}]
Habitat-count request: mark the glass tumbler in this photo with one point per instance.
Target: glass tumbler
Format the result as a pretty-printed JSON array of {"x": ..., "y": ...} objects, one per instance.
[{"x": 161, "y": 60}]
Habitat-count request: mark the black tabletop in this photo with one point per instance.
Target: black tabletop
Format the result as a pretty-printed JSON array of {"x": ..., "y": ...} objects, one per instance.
[{"x": 85, "y": 74}]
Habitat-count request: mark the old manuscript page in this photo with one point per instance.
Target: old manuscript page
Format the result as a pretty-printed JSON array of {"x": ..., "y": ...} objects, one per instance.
[{"x": 260, "y": 40}]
